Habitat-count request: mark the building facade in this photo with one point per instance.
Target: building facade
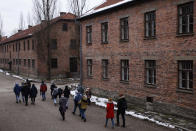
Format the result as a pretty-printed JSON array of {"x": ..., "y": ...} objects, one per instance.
[
  {"x": 144, "y": 49},
  {"x": 26, "y": 52}
]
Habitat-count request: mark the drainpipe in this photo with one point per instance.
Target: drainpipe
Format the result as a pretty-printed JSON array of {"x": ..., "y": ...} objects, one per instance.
[{"x": 81, "y": 63}]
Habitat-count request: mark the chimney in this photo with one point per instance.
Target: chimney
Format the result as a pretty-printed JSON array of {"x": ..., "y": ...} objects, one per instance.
[
  {"x": 19, "y": 30},
  {"x": 62, "y": 13},
  {"x": 29, "y": 26}
]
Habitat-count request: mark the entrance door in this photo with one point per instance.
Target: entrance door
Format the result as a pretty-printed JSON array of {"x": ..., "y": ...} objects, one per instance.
[{"x": 73, "y": 64}]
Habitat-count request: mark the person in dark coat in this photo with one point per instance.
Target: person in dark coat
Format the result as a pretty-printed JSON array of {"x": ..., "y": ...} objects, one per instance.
[
  {"x": 60, "y": 92},
  {"x": 80, "y": 89},
  {"x": 122, "y": 106},
  {"x": 17, "y": 90},
  {"x": 52, "y": 88},
  {"x": 66, "y": 93},
  {"x": 22, "y": 92},
  {"x": 43, "y": 89},
  {"x": 88, "y": 94},
  {"x": 110, "y": 112},
  {"x": 63, "y": 106},
  {"x": 77, "y": 98},
  {"x": 26, "y": 90},
  {"x": 33, "y": 94},
  {"x": 54, "y": 95}
]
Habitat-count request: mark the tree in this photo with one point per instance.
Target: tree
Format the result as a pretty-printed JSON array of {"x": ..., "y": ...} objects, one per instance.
[
  {"x": 77, "y": 7},
  {"x": 1, "y": 27},
  {"x": 21, "y": 22},
  {"x": 44, "y": 11}
]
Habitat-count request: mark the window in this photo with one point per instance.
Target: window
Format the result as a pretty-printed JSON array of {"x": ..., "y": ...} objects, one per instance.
[
  {"x": 29, "y": 63},
  {"x": 24, "y": 45},
  {"x": 33, "y": 63},
  {"x": 54, "y": 63},
  {"x": 89, "y": 34},
  {"x": 53, "y": 44},
  {"x": 73, "y": 64},
  {"x": 124, "y": 29},
  {"x": 64, "y": 27},
  {"x": 89, "y": 68},
  {"x": 124, "y": 70},
  {"x": 28, "y": 45},
  {"x": 150, "y": 24},
  {"x": 150, "y": 72},
  {"x": 104, "y": 32},
  {"x": 24, "y": 62},
  {"x": 13, "y": 61},
  {"x": 185, "y": 18},
  {"x": 19, "y": 61},
  {"x": 73, "y": 44},
  {"x": 104, "y": 69},
  {"x": 185, "y": 74},
  {"x": 33, "y": 44},
  {"x": 19, "y": 46}
]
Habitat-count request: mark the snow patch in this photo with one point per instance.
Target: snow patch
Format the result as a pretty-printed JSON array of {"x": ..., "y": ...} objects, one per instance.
[{"x": 1, "y": 70}]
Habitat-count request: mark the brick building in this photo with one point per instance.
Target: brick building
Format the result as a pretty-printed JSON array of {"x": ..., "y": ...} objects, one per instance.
[
  {"x": 144, "y": 49},
  {"x": 25, "y": 52}
]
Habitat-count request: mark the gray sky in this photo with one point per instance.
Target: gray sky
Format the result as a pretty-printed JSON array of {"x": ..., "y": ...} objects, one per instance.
[{"x": 10, "y": 11}]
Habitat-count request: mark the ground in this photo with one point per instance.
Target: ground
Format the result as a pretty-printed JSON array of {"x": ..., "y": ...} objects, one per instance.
[{"x": 44, "y": 116}]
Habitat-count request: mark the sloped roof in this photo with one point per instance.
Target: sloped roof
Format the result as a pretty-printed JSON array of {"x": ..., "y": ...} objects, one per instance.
[
  {"x": 30, "y": 31},
  {"x": 107, "y": 3}
]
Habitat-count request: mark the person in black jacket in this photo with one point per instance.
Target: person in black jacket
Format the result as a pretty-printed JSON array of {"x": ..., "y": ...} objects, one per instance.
[
  {"x": 52, "y": 87},
  {"x": 33, "y": 94},
  {"x": 26, "y": 91},
  {"x": 60, "y": 92},
  {"x": 122, "y": 106},
  {"x": 66, "y": 93}
]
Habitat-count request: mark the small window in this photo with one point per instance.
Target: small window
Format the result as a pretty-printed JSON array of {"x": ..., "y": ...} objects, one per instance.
[
  {"x": 24, "y": 46},
  {"x": 18, "y": 46},
  {"x": 89, "y": 34},
  {"x": 24, "y": 62},
  {"x": 29, "y": 63},
  {"x": 73, "y": 44},
  {"x": 150, "y": 69},
  {"x": 185, "y": 18},
  {"x": 104, "y": 69},
  {"x": 89, "y": 68},
  {"x": 33, "y": 63},
  {"x": 28, "y": 44},
  {"x": 33, "y": 44},
  {"x": 104, "y": 32},
  {"x": 149, "y": 99},
  {"x": 150, "y": 24},
  {"x": 124, "y": 70},
  {"x": 185, "y": 74},
  {"x": 53, "y": 44},
  {"x": 64, "y": 27},
  {"x": 124, "y": 29},
  {"x": 54, "y": 63}
]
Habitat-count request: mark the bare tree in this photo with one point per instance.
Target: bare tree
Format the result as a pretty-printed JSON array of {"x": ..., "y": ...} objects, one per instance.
[
  {"x": 21, "y": 22},
  {"x": 77, "y": 7},
  {"x": 1, "y": 27},
  {"x": 44, "y": 11}
]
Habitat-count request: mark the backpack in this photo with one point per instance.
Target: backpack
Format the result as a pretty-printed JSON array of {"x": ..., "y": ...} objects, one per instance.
[{"x": 55, "y": 92}]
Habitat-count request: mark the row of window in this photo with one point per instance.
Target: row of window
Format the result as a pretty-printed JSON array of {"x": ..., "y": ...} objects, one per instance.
[
  {"x": 185, "y": 72},
  {"x": 185, "y": 25},
  {"x": 26, "y": 62},
  {"x": 4, "y": 61}
]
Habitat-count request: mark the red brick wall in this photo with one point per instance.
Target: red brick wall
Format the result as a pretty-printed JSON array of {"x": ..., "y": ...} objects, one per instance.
[{"x": 166, "y": 49}]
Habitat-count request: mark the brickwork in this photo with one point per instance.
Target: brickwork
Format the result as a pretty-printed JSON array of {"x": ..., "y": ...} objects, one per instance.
[{"x": 167, "y": 48}]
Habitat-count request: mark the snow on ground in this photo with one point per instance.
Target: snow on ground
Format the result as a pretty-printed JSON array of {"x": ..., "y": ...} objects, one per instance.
[{"x": 1, "y": 70}]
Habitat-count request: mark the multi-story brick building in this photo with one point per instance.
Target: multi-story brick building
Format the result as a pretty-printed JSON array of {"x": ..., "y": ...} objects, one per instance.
[
  {"x": 25, "y": 52},
  {"x": 144, "y": 49}
]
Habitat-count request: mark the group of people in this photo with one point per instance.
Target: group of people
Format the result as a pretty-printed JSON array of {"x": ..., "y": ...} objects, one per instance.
[{"x": 81, "y": 100}]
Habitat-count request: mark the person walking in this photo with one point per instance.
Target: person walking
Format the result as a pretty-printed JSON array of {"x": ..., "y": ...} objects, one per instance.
[
  {"x": 83, "y": 107},
  {"x": 54, "y": 95},
  {"x": 43, "y": 89},
  {"x": 110, "y": 112},
  {"x": 122, "y": 106},
  {"x": 62, "y": 107},
  {"x": 17, "y": 90},
  {"x": 33, "y": 93},
  {"x": 22, "y": 92},
  {"x": 77, "y": 98},
  {"x": 66, "y": 93},
  {"x": 88, "y": 94},
  {"x": 60, "y": 92},
  {"x": 52, "y": 87},
  {"x": 26, "y": 90}
]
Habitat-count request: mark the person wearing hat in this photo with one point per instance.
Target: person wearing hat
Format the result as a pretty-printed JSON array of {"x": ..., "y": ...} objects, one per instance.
[
  {"x": 110, "y": 112},
  {"x": 83, "y": 107},
  {"x": 122, "y": 106},
  {"x": 17, "y": 90}
]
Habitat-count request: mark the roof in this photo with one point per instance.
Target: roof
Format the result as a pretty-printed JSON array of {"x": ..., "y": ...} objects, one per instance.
[
  {"x": 108, "y": 6},
  {"x": 30, "y": 31}
]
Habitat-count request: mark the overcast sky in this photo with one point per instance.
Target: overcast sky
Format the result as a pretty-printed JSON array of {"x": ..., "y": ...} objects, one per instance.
[{"x": 10, "y": 11}]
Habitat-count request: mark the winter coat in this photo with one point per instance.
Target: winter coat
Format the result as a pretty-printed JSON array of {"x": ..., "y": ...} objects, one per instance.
[
  {"x": 83, "y": 102},
  {"x": 66, "y": 92},
  {"x": 80, "y": 89},
  {"x": 43, "y": 88},
  {"x": 63, "y": 103},
  {"x": 60, "y": 91},
  {"x": 26, "y": 90},
  {"x": 78, "y": 97},
  {"x": 110, "y": 110},
  {"x": 55, "y": 93},
  {"x": 22, "y": 90},
  {"x": 17, "y": 89},
  {"x": 88, "y": 94},
  {"x": 52, "y": 87},
  {"x": 122, "y": 104},
  {"x": 33, "y": 92}
]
